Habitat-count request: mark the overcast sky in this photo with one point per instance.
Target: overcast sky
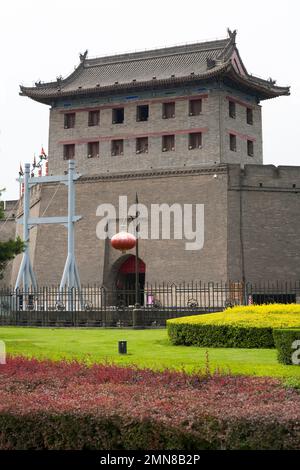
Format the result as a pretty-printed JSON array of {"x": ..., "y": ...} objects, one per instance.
[{"x": 42, "y": 40}]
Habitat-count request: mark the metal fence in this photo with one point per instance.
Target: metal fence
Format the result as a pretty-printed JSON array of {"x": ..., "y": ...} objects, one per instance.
[{"x": 100, "y": 306}]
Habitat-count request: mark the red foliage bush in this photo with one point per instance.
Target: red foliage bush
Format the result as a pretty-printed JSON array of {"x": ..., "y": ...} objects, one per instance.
[{"x": 62, "y": 405}]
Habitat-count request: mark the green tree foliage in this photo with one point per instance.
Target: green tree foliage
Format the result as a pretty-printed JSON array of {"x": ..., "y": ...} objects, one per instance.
[{"x": 10, "y": 248}]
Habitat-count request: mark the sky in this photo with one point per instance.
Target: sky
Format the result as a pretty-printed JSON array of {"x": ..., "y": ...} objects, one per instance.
[{"x": 42, "y": 40}]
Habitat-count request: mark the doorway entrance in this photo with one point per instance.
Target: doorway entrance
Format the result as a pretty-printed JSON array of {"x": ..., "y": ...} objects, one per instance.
[{"x": 125, "y": 282}]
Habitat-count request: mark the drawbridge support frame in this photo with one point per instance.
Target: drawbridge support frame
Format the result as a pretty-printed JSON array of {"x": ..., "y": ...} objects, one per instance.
[{"x": 70, "y": 277}]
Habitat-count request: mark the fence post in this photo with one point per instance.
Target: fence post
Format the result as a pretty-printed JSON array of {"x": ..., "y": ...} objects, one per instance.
[{"x": 138, "y": 321}]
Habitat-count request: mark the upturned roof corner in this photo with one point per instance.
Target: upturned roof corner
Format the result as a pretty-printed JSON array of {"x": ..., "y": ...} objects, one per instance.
[{"x": 169, "y": 66}]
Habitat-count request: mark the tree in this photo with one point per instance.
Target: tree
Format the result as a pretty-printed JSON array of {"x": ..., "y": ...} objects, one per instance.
[{"x": 8, "y": 249}]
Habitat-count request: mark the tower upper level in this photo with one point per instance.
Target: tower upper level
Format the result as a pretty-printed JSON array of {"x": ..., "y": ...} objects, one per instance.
[{"x": 178, "y": 106}]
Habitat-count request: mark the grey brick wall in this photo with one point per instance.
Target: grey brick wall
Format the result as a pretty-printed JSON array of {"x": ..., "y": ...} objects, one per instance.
[
  {"x": 265, "y": 200},
  {"x": 251, "y": 225},
  {"x": 166, "y": 260},
  {"x": 243, "y": 130},
  {"x": 214, "y": 119}
]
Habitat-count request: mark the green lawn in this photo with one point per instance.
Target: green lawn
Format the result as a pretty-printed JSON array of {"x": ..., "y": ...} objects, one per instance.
[{"x": 146, "y": 348}]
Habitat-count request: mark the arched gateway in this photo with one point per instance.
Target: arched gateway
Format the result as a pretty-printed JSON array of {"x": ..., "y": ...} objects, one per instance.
[{"x": 125, "y": 280}]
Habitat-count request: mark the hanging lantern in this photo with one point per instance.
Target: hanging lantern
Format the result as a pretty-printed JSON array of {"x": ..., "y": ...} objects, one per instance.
[{"x": 123, "y": 241}]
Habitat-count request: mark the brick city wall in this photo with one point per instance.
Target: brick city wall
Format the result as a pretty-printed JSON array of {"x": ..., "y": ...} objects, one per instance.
[
  {"x": 263, "y": 223},
  {"x": 251, "y": 225},
  {"x": 166, "y": 260}
]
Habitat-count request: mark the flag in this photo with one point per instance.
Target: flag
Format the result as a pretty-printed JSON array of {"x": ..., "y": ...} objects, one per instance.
[
  {"x": 21, "y": 172},
  {"x": 43, "y": 155},
  {"x": 34, "y": 162}
]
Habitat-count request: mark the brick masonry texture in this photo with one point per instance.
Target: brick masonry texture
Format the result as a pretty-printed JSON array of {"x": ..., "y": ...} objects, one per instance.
[
  {"x": 162, "y": 257},
  {"x": 251, "y": 231},
  {"x": 214, "y": 121},
  {"x": 250, "y": 210},
  {"x": 270, "y": 224}
]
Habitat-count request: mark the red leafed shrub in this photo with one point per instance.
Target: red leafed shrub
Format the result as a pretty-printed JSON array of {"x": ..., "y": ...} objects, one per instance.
[{"x": 61, "y": 405}]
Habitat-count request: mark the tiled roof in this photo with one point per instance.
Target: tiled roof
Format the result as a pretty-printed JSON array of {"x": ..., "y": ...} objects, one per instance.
[
  {"x": 143, "y": 67},
  {"x": 150, "y": 68}
]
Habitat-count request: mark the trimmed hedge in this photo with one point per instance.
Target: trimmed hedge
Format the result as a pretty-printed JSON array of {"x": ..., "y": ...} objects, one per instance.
[
  {"x": 71, "y": 431},
  {"x": 76, "y": 431},
  {"x": 220, "y": 336},
  {"x": 237, "y": 327},
  {"x": 284, "y": 340}
]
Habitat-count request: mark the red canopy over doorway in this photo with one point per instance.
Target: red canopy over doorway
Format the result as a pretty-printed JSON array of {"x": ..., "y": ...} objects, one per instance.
[{"x": 128, "y": 267}]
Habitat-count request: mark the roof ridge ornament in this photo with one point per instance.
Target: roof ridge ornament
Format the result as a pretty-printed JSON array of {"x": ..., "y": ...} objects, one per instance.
[
  {"x": 210, "y": 63},
  {"x": 232, "y": 34},
  {"x": 206, "y": 62},
  {"x": 83, "y": 56}
]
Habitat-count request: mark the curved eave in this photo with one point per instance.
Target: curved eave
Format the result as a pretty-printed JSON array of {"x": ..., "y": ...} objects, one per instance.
[
  {"x": 46, "y": 96},
  {"x": 262, "y": 88}
]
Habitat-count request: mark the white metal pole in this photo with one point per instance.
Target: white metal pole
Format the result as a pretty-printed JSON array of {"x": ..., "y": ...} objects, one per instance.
[
  {"x": 71, "y": 213},
  {"x": 70, "y": 277},
  {"x": 26, "y": 275},
  {"x": 26, "y": 210}
]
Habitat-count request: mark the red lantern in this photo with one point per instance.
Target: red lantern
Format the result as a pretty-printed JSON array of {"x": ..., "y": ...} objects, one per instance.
[{"x": 123, "y": 241}]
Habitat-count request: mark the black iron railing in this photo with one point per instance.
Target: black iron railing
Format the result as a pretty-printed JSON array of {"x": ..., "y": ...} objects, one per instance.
[{"x": 101, "y": 306}]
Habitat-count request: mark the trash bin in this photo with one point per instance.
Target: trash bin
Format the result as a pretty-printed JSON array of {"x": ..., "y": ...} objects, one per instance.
[{"x": 122, "y": 347}]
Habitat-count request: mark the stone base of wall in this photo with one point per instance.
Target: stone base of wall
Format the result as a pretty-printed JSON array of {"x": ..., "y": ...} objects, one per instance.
[{"x": 97, "y": 319}]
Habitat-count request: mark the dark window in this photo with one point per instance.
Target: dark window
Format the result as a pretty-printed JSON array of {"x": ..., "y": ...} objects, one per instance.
[
  {"x": 250, "y": 148},
  {"x": 249, "y": 116},
  {"x": 118, "y": 115},
  {"x": 168, "y": 110},
  {"x": 69, "y": 120},
  {"x": 142, "y": 112},
  {"x": 195, "y": 107},
  {"x": 142, "y": 145},
  {"x": 232, "y": 142},
  {"x": 168, "y": 143},
  {"x": 94, "y": 118},
  {"x": 195, "y": 140},
  {"x": 231, "y": 108},
  {"x": 69, "y": 151},
  {"x": 117, "y": 147},
  {"x": 93, "y": 149}
]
